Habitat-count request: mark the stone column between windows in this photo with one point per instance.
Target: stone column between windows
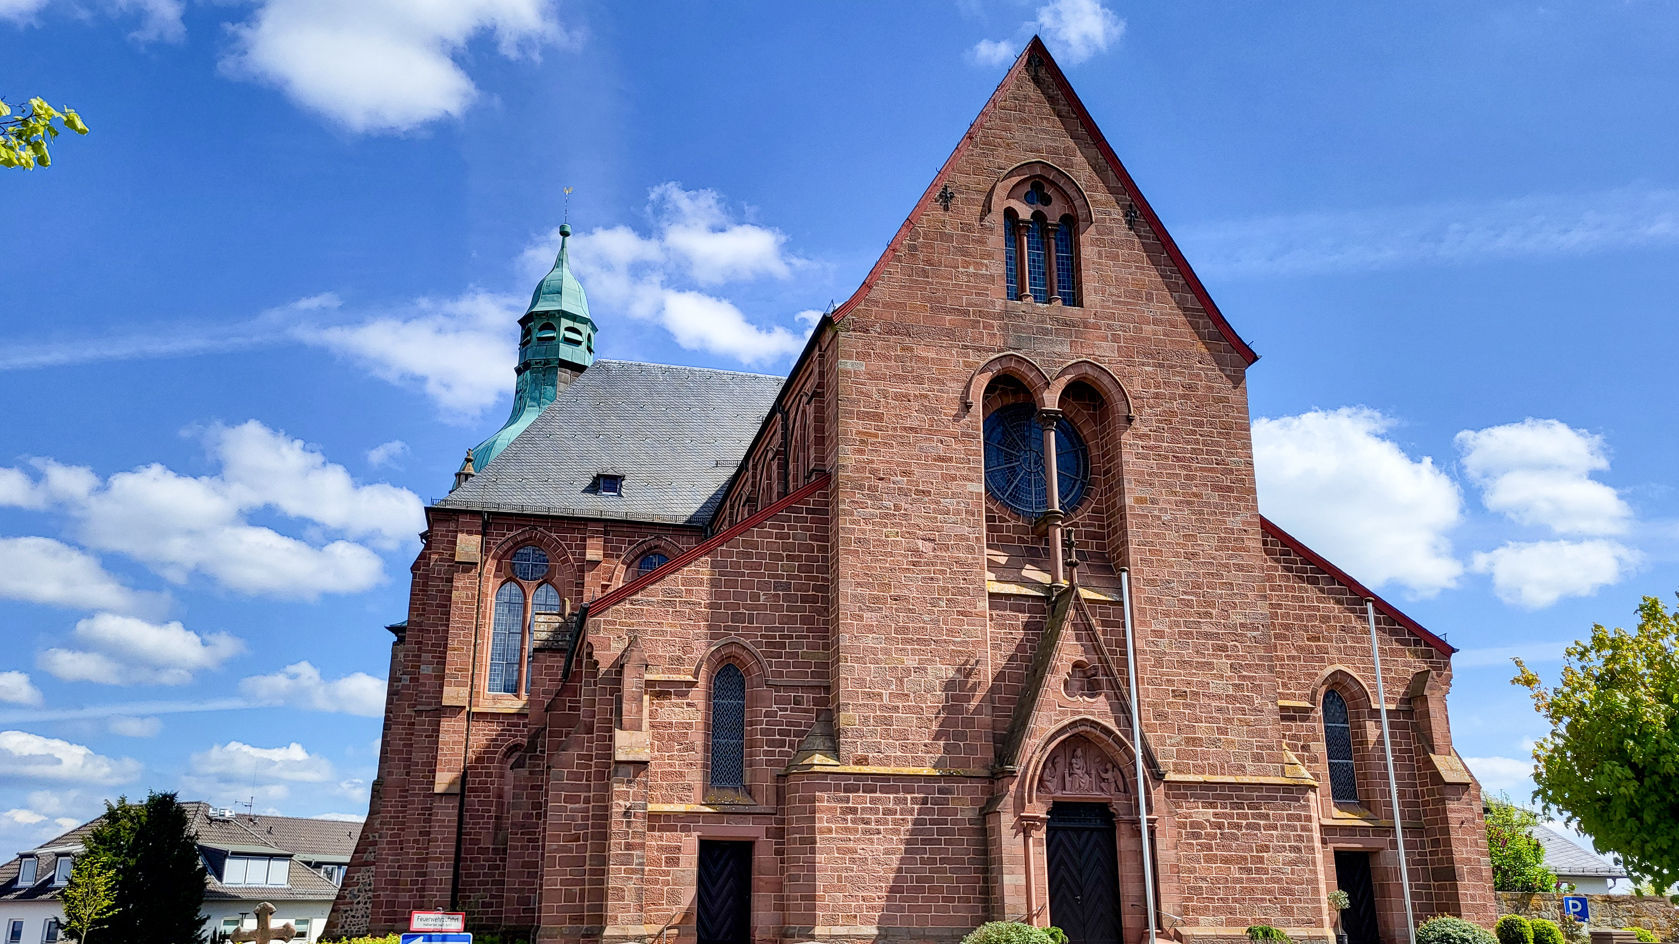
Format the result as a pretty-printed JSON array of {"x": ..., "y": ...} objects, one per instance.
[
  {"x": 1050, "y": 287},
  {"x": 1052, "y": 516},
  {"x": 1020, "y": 260}
]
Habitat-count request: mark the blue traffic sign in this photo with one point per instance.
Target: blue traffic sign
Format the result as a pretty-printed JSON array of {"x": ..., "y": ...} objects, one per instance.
[
  {"x": 1577, "y": 907},
  {"x": 436, "y": 937}
]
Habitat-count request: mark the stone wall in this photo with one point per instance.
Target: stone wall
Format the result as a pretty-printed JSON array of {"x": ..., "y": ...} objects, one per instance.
[{"x": 1608, "y": 911}]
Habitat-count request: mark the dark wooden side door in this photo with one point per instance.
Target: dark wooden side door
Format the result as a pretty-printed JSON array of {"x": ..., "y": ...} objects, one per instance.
[
  {"x": 1083, "y": 873},
  {"x": 723, "y": 900},
  {"x": 1352, "y": 871}
]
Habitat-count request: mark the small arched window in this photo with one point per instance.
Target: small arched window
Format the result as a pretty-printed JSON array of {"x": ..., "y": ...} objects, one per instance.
[
  {"x": 573, "y": 335},
  {"x": 1338, "y": 742},
  {"x": 1040, "y": 259},
  {"x": 506, "y": 634},
  {"x": 728, "y": 729},
  {"x": 545, "y": 331},
  {"x": 650, "y": 561}
]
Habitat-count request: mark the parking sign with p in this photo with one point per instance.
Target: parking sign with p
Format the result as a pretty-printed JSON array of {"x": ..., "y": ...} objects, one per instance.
[{"x": 1577, "y": 907}]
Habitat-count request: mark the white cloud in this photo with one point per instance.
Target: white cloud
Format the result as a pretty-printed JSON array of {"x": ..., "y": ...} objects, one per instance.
[
  {"x": 1539, "y": 573},
  {"x": 1537, "y": 226},
  {"x": 20, "y": 11},
  {"x": 25, "y": 756},
  {"x": 1532, "y": 653},
  {"x": 241, "y": 769},
  {"x": 1538, "y": 472},
  {"x": 382, "y": 65},
  {"x": 179, "y": 525},
  {"x": 695, "y": 243},
  {"x": 159, "y": 19},
  {"x": 1078, "y": 29},
  {"x": 1333, "y": 479},
  {"x": 342, "y": 817},
  {"x": 301, "y": 685},
  {"x": 1510, "y": 775},
  {"x": 17, "y": 689},
  {"x": 122, "y": 650},
  {"x": 1074, "y": 30},
  {"x": 386, "y": 453},
  {"x": 460, "y": 351},
  {"x": 135, "y": 727},
  {"x": 42, "y": 570}
]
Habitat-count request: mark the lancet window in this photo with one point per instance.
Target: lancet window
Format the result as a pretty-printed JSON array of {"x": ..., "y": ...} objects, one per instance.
[
  {"x": 1040, "y": 242},
  {"x": 1338, "y": 743}
]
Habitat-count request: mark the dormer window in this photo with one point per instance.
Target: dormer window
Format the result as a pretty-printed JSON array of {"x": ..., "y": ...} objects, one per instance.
[
  {"x": 608, "y": 484},
  {"x": 61, "y": 869},
  {"x": 26, "y": 871}
]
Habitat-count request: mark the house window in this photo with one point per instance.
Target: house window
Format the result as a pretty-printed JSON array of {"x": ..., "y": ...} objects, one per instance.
[
  {"x": 1040, "y": 259},
  {"x": 607, "y": 484},
  {"x": 26, "y": 871},
  {"x": 1338, "y": 742},
  {"x": 650, "y": 562},
  {"x": 728, "y": 729},
  {"x": 229, "y": 925},
  {"x": 49, "y": 932},
  {"x": 302, "y": 926},
  {"x": 14, "y": 931},
  {"x": 61, "y": 869},
  {"x": 506, "y": 636},
  {"x": 257, "y": 870}
]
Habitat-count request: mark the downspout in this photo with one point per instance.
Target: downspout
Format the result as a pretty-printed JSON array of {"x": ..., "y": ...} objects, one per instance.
[
  {"x": 466, "y": 737},
  {"x": 1137, "y": 751},
  {"x": 1393, "y": 782}
]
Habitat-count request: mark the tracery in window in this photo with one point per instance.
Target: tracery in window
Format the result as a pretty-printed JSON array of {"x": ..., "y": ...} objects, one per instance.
[
  {"x": 1040, "y": 246},
  {"x": 1014, "y": 460},
  {"x": 530, "y": 563},
  {"x": 728, "y": 728},
  {"x": 506, "y": 636},
  {"x": 1338, "y": 744}
]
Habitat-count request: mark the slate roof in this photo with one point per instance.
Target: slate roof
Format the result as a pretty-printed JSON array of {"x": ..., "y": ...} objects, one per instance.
[
  {"x": 306, "y": 840},
  {"x": 1566, "y": 858},
  {"x": 676, "y": 435}
]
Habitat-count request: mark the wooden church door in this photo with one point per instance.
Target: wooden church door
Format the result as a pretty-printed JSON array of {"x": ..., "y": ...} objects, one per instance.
[
  {"x": 1083, "y": 873},
  {"x": 1352, "y": 872},
  {"x": 723, "y": 899}
]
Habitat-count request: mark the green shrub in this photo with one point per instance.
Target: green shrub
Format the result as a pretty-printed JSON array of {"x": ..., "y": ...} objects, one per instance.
[
  {"x": 1056, "y": 935},
  {"x": 1007, "y": 932},
  {"x": 1448, "y": 930},
  {"x": 1513, "y": 929},
  {"x": 1265, "y": 932},
  {"x": 1546, "y": 931},
  {"x": 1644, "y": 935}
]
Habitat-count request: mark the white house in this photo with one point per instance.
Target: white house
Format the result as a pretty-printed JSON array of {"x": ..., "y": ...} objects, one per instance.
[
  {"x": 1588, "y": 872},
  {"x": 293, "y": 863}
]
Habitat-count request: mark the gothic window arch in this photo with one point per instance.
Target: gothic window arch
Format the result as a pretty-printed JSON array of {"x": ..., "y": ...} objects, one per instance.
[
  {"x": 1040, "y": 245},
  {"x": 649, "y": 562},
  {"x": 1338, "y": 744},
  {"x": 1015, "y": 466},
  {"x": 727, "y": 771},
  {"x": 545, "y": 599},
  {"x": 506, "y": 634}
]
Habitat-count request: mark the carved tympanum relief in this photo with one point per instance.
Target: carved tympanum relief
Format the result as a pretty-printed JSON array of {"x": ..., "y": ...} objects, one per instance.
[{"x": 1079, "y": 768}]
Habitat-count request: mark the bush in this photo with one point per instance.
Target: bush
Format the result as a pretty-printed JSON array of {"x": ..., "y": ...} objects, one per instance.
[
  {"x": 1265, "y": 932},
  {"x": 1007, "y": 932},
  {"x": 1513, "y": 929},
  {"x": 1546, "y": 932},
  {"x": 1644, "y": 935},
  {"x": 1448, "y": 930}
]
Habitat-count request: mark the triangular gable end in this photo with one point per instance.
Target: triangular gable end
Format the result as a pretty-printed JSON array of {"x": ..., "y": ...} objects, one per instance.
[{"x": 1036, "y": 50}]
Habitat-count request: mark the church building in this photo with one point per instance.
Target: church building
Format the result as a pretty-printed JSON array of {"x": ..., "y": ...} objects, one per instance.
[{"x": 971, "y": 616}]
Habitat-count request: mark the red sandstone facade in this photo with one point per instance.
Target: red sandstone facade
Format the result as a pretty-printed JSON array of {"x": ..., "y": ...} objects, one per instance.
[{"x": 920, "y": 689}]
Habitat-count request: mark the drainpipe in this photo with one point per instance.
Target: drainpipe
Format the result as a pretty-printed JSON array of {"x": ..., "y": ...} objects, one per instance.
[
  {"x": 1393, "y": 783},
  {"x": 1137, "y": 750}
]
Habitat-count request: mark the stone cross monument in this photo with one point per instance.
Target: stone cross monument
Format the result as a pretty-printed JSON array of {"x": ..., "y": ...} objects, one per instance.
[{"x": 264, "y": 933}]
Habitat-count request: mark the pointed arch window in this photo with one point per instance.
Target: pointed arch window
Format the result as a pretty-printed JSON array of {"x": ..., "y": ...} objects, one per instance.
[
  {"x": 506, "y": 634},
  {"x": 650, "y": 561},
  {"x": 1040, "y": 250},
  {"x": 544, "y": 600},
  {"x": 1338, "y": 742},
  {"x": 728, "y": 729}
]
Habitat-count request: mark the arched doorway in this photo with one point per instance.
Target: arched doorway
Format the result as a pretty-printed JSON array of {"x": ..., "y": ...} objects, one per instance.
[{"x": 1081, "y": 785}]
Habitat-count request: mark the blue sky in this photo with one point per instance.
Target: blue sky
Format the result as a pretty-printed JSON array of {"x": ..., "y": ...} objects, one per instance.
[{"x": 258, "y": 314}]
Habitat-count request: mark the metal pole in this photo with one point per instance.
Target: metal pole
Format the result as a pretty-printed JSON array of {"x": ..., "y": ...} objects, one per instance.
[
  {"x": 1393, "y": 782},
  {"x": 1137, "y": 750}
]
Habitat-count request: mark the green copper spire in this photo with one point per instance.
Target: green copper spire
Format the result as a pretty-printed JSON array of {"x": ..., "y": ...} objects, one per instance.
[{"x": 556, "y": 343}]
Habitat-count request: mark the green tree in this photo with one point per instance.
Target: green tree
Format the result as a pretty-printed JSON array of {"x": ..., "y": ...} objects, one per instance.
[
  {"x": 1518, "y": 859},
  {"x": 160, "y": 880},
  {"x": 26, "y": 129},
  {"x": 89, "y": 898},
  {"x": 1610, "y": 765}
]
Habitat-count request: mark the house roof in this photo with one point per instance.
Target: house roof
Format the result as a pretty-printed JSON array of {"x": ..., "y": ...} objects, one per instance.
[
  {"x": 304, "y": 840},
  {"x": 675, "y": 434},
  {"x": 1568, "y": 859}
]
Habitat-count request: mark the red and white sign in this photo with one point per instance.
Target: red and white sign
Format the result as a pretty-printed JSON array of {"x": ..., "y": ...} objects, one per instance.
[{"x": 436, "y": 921}]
